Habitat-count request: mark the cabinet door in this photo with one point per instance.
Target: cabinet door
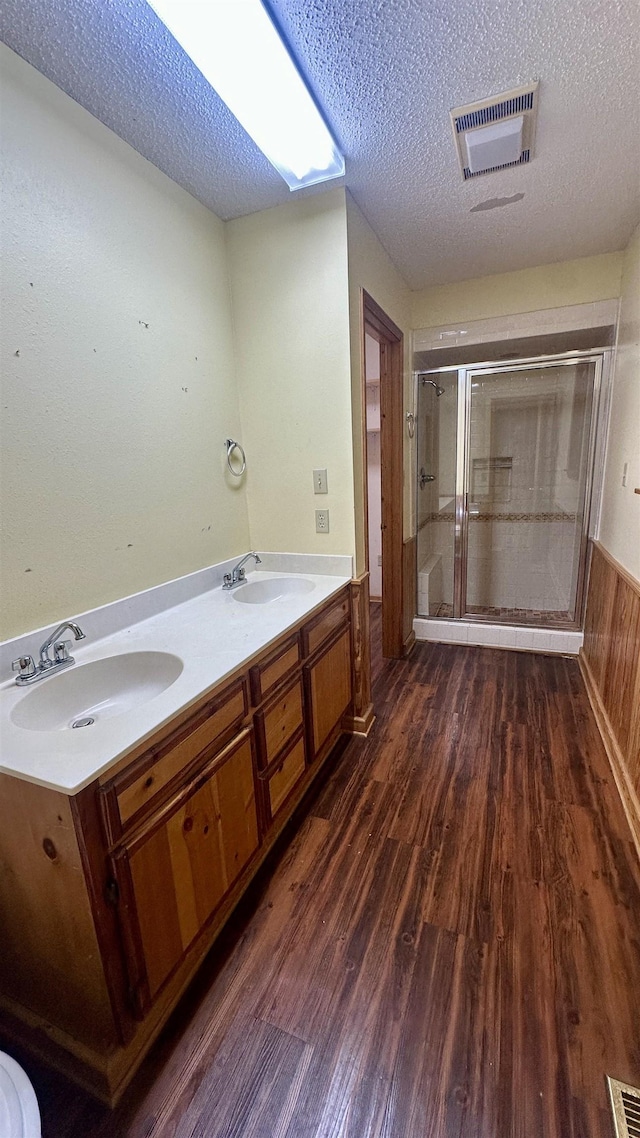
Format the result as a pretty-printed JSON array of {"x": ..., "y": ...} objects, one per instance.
[
  {"x": 174, "y": 874},
  {"x": 328, "y": 684}
]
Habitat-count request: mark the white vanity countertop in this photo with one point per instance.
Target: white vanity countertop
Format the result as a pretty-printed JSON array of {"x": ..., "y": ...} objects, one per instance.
[{"x": 213, "y": 634}]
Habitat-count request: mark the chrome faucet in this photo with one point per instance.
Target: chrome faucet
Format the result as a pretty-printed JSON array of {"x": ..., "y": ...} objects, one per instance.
[
  {"x": 28, "y": 671},
  {"x": 237, "y": 574}
]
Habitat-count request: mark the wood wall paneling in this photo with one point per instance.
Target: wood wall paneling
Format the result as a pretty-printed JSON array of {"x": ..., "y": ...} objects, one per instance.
[{"x": 610, "y": 662}]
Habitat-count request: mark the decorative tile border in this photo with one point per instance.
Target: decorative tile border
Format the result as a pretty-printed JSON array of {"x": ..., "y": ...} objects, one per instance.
[{"x": 502, "y": 517}]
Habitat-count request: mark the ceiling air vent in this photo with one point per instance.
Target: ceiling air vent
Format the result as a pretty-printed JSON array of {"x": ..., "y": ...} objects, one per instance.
[
  {"x": 497, "y": 133},
  {"x": 625, "y": 1104}
]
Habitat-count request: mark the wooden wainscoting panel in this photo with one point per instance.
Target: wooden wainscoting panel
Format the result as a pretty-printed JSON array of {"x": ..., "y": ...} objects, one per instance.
[
  {"x": 409, "y": 592},
  {"x": 610, "y": 661}
]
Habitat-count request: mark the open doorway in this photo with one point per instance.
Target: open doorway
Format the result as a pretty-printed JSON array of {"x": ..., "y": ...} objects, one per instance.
[{"x": 383, "y": 397}]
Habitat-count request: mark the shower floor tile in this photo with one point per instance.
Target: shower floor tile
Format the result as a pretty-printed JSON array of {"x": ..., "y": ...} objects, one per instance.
[{"x": 510, "y": 615}]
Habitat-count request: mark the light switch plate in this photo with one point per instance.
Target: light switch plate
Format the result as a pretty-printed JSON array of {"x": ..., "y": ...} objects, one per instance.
[
  {"x": 320, "y": 482},
  {"x": 322, "y": 521}
]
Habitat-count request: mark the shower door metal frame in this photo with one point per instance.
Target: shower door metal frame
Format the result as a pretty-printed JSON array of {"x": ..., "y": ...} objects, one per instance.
[{"x": 595, "y": 464}]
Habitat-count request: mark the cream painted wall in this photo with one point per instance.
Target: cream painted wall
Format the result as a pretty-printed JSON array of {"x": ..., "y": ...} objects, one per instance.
[
  {"x": 583, "y": 281},
  {"x": 620, "y": 513},
  {"x": 370, "y": 268},
  {"x": 118, "y": 383},
  {"x": 288, "y": 272}
]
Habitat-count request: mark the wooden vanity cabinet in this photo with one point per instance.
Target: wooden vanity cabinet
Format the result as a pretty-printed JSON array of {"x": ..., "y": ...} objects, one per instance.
[{"x": 136, "y": 875}]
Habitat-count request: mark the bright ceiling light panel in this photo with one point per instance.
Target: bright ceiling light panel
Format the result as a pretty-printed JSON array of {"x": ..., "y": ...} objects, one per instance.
[{"x": 240, "y": 53}]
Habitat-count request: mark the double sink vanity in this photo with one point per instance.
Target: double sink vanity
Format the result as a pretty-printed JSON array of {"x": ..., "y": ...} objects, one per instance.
[{"x": 142, "y": 787}]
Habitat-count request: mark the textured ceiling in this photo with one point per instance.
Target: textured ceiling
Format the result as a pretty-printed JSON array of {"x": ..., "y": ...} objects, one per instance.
[{"x": 386, "y": 73}]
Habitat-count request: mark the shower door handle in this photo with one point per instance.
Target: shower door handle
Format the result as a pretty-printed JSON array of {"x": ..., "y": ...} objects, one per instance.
[{"x": 424, "y": 478}]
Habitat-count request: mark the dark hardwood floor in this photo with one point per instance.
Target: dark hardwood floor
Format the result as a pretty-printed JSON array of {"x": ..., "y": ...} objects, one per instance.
[{"x": 447, "y": 947}]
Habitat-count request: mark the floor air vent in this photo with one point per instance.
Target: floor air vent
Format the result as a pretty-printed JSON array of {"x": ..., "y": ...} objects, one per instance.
[
  {"x": 495, "y": 134},
  {"x": 625, "y": 1104}
]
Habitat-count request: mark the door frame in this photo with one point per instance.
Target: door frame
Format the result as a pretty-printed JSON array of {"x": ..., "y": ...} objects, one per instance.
[{"x": 375, "y": 321}]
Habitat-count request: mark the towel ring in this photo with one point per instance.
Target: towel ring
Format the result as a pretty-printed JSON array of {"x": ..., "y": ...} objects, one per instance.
[
  {"x": 232, "y": 445},
  {"x": 411, "y": 423}
]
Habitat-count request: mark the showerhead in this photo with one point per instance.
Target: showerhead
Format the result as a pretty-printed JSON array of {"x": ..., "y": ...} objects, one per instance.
[{"x": 439, "y": 390}]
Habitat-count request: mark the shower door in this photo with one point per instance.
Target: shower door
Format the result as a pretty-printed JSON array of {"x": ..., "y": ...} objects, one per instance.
[
  {"x": 527, "y": 478},
  {"x": 502, "y": 527},
  {"x": 437, "y": 419}
]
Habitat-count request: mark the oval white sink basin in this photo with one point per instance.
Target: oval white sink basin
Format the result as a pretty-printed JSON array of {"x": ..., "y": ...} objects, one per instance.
[
  {"x": 95, "y": 691},
  {"x": 261, "y": 592}
]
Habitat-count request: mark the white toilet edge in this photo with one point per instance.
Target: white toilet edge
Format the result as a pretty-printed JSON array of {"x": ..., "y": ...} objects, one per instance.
[{"x": 18, "y": 1102}]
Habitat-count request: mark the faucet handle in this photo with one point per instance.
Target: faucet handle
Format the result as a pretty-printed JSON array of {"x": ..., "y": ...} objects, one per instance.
[
  {"x": 24, "y": 665},
  {"x": 61, "y": 651}
]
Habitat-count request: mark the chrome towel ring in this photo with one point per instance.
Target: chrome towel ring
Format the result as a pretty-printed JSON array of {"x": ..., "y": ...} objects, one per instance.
[
  {"x": 232, "y": 445},
  {"x": 411, "y": 423}
]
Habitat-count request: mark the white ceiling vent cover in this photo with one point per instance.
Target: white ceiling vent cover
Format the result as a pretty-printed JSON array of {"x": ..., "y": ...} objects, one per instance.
[{"x": 496, "y": 133}]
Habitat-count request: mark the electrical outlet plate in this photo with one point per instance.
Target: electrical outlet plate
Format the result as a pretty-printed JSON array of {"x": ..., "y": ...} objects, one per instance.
[
  {"x": 320, "y": 482},
  {"x": 322, "y": 521}
]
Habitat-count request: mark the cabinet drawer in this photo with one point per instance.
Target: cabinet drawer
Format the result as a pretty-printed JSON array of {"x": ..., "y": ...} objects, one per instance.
[
  {"x": 274, "y": 669},
  {"x": 286, "y": 776},
  {"x": 136, "y": 788},
  {"x": 279, "y": 722},
  {"x": 317, "y": 631}
]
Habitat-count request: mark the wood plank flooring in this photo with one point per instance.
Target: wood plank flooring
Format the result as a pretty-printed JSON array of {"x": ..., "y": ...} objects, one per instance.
[{"x": 447, "y": 947}]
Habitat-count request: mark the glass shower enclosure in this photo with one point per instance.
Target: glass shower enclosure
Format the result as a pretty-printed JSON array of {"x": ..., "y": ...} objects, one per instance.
[{"x": 505, "y": 456}]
